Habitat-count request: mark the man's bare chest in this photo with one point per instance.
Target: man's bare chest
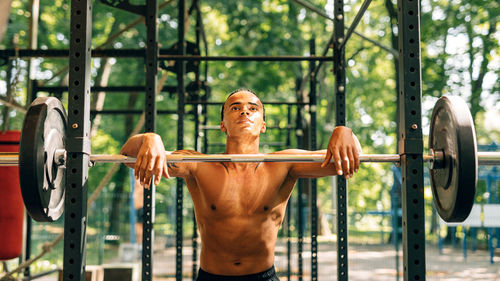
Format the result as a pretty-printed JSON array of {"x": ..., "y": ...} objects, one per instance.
[{"x": 243, "y": 190}]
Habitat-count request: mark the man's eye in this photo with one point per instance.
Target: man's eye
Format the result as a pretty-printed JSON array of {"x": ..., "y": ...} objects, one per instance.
[
  {"x": 253, "y": 108},
  {"x": 234, "y": 108}
]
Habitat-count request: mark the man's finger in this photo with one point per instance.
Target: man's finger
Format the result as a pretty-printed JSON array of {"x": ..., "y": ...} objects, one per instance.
[
  {"x": 158, "y": 170},
  {"x": 351, "y": 161},
  {"x": 165, "y": 170},
  {"x": 144, "y": 169},
  {"x": 327, "y": 158},
  {"x": 336, "y": 160},
  {"x": 355, "y": 155},
  {"x": 345, "y": 162},
  {"x": 148, "y": 177},
  {"x": 137, "y": 167}
]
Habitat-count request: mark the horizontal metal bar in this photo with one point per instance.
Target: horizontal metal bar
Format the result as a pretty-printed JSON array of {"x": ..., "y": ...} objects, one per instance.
[
  {"x": 163, "y": 55},
  {"x": 9, "y": 158},
  {"x": 246, "y": 158},
  {"x": 484, "y": 158},
  {"x": 488, "y": 158},
  {"x": 95, "y": 89},
  {"x": 33, "y": 277},
  {"x": 245, "y": 58},
  {"x": 130, "y": 112}
]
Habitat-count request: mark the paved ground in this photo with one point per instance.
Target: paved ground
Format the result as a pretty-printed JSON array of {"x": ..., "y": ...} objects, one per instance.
[
  {"x": 371, "y": 262},
  {"x": 367, "y": 262}
]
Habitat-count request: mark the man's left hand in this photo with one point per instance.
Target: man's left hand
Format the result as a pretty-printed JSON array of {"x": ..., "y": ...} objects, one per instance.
[{"x": 344, "y": 147}]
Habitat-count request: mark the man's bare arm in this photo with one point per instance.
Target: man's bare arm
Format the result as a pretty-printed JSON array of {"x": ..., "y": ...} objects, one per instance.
[
  {"x": 182, "y": 170},
  {"x": 151, "y": 159},
  {"x": 308, "y": 170},
  {"x": 343, "y": 149}
]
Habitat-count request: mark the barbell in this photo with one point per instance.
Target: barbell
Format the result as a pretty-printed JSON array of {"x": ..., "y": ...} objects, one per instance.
[{"x": 452, "y": 155}]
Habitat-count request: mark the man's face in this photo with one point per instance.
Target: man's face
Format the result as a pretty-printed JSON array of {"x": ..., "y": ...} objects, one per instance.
[{"x": 243, "y": 114}]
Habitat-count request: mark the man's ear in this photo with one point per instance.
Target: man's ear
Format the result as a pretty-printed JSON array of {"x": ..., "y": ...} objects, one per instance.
[
  {"x": 263, "y": 129},
  {"x": 222, "y": 127}
]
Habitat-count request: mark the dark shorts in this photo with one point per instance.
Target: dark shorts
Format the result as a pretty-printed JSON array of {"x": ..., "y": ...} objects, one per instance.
[
  {"x": 139, "y": 213},
  {"x": 268, "y": 275}
]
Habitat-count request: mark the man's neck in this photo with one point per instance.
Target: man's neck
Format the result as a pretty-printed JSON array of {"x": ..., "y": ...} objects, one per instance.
[{"x": 242, "y": 146}]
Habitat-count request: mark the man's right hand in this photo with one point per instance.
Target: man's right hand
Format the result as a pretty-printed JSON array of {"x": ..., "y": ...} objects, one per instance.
[{"x": 151, "y": 157}]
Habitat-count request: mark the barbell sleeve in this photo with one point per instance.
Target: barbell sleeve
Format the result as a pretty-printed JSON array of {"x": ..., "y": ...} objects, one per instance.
[{"x": 484, "y": 158}]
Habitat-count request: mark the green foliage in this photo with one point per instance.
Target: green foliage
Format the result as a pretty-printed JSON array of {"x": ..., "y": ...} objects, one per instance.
[{"x": 450, "y": 64}]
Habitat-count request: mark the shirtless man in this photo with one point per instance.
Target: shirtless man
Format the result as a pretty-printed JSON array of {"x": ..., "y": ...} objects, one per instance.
[{"x": 239, "y": 207}]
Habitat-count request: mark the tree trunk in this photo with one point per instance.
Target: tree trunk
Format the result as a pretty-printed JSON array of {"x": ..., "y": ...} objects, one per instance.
[
  {"x": 477, "y": 84},
  {"x": 98, "y": 101}
]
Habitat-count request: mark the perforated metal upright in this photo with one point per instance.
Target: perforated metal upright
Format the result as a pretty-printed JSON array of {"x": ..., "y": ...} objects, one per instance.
[
  {"x": 300, "y": 200},
  {"x": 410, "y": 144},
  {"x": 181, "y": 72},
  {"x": 314, "y": 182},
  {"x": 340, "y": 79},
  {"x": 77, "y": 141},
  {"x": 151, "y": 15}
]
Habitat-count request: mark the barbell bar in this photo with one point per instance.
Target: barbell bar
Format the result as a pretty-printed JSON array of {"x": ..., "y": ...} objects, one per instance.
[
  {"x": 452, "y": 153},
  {"x": 484, "y": 158}
]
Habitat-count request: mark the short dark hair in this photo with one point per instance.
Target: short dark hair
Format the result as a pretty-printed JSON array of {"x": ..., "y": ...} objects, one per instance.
[{"x": 235, "y": 92}]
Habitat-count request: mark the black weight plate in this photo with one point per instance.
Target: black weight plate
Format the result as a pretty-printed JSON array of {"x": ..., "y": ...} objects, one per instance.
[
  {"x": 453, "y": 185},
  {"x": 42, "y": 181}
]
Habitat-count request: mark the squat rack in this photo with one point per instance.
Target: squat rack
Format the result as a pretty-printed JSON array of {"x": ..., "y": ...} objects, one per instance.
[{"x": 410, "y": 143}]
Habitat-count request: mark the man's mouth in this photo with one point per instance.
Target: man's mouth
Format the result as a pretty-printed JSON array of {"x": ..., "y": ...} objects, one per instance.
[{"x": 244, "y": 121}]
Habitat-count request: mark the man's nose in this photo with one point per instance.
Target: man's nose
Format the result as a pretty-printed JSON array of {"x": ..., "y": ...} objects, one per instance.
[{"x": 244, "y": 111}]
